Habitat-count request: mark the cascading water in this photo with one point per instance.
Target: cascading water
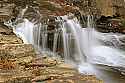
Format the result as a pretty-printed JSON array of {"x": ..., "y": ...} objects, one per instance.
[
  {"x": 55, "y": 41},
  {"x": 102, "y": 54},
  {"x": 25, "y": 32},
  {"x": 87, "y": 48},
  {"x": 97, "y": 52},
  {"x": 71, "y": 31},
  {"x": 44, "y": 37},
  {"x": 28, "y": 29},
  {"x": 82, "y": 47}
]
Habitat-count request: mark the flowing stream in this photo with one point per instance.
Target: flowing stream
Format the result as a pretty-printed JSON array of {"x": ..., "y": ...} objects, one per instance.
[{"x": 90, "y": 51}]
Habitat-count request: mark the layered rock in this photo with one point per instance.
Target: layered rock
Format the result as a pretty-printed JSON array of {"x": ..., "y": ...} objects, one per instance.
[
  {"x": 111, "y": 7},
  {"x": 102, "y": 7},
  {"x": 6, "y": 10}
]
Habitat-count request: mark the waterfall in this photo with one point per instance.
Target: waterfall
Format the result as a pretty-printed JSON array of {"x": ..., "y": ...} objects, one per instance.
[
  {"x": 100, "y": 53},
  {"x": 44, "y": 36},
  {"x": 72, "y": 31},
  {"x": 55, "y": 41},
  {"x": 94, "y": 48},
  {"x": 86, "y": 46},
  {"x": 81, "y": 47},
  {"x": 27, "y": 27},
  {"x": 25, "y": 31}
]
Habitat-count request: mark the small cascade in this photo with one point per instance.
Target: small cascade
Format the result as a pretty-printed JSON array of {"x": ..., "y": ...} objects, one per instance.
[
  {"x": 27, "y": 28},
  {"x": 97, "y": 51},
  {"x": 44, "y": 37},
  {"x": 72, "y": 41},
  {"x": 25, "y": 32},
  {"x": 56, "y": 34},
  {"x": 81, "y": 47}
]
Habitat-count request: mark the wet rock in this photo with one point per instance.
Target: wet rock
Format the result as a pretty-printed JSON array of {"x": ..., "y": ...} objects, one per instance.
[{"x": 110, "y": 24}]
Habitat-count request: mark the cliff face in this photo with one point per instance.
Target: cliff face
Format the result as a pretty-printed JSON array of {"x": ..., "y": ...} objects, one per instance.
[
  {"x": 111, "y": 7},
  {"x": 102, "y": 7},
  {"x": 105, "y": 7}
]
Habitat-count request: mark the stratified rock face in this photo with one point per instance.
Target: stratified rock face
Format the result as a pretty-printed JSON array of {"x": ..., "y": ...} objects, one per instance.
[
  {"x": 111, "y": 7},
  {"x": 102, "y": 7},
  {"x": 4, "y": 30},
  {"x": 12, "y": 51},
  {"x": 119, "y": 6},
  {"x": 7, "y": 39},
  {"x": 54, "y": 7},
  {"x": 106, "y": 7},
  {"x": 6, "y": 11},
  {"x": 86, "y": 6},
  {"x": 7, "y": 36}
]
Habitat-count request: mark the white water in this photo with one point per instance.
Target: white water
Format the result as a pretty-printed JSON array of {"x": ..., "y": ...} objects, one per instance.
[
  {"x": 55, "y": 42},
  {"x": 25, "y": 31},
  {"x": 86, "y": 47},
  {"x": 44, "y": 37},
  {"x": 73, "y": 53},
  {"x": 82, "y": 47}
]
